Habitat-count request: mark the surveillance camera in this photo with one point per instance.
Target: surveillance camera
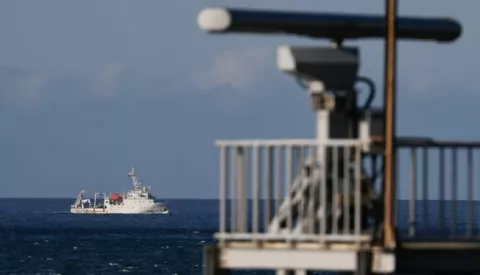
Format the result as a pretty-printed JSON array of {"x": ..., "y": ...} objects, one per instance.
[{"x": 336, "y": 68}]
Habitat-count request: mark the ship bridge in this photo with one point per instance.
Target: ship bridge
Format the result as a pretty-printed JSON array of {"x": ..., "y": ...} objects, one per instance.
[{"x": 330, "y": 203}]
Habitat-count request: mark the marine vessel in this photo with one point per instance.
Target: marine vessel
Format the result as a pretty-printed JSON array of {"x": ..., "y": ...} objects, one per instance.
[{"x": 137, "y": 200}]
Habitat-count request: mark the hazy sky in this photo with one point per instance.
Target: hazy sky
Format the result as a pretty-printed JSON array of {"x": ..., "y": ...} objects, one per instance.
[{"x": 89, "y": 88}]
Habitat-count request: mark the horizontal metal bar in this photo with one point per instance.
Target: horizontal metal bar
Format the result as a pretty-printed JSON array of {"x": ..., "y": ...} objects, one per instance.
[
  {"x": 428, "y": 142},
  {"x": 290, "y": 142},
  {"x": 443, "y": 144},
  {"x": 291, "y": 237},
  {"x": 442, "y": 239},
  {"x": 297, "y": 259},
  {"x": 305, "y": 259},
  {"x": 401, "y": 143}
]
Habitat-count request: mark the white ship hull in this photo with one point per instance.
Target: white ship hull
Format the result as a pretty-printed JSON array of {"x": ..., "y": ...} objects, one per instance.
[
  {"x": 115, "y": 211},
  {"x": 127, "y": 206}
]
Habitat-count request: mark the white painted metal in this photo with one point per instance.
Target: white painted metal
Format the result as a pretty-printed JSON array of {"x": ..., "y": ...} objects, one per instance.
[
  {"x": 298, "y": 228},
  {"x": 214, "y": 19},
  {"x": 296, "y": 194},
  {"x": 301, "y": 259},
  {"x": 289, "y": 142},
  {"x": 296, "y": 236}
]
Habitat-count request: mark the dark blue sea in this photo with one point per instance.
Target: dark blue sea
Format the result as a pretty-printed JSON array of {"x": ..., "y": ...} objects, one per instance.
[{"x": 39, "y": 236}]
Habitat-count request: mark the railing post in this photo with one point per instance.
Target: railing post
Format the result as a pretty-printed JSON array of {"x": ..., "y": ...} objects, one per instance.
[
  {"x": 453, "y": 224},
  {"x": 322, "y": 154},
  {"x": 412, "y": 213},
  {"x": 268, "y": 172},
  {"x": 256, "y": 189},
  {"x": 358, "y": 193},
  {"x": 441, "y": 189},
  {"x": 223, "y": 189},
  {"x": 346, "y": 191},
  {"x": 288, "y": 182},
  {"x": 241, "y": 189},
  {"x": 335, "y": 189},
  {"x": 469, "y": 193},
  {"x": 425, "y": 183},
  {"x": 312, "y": 200}
]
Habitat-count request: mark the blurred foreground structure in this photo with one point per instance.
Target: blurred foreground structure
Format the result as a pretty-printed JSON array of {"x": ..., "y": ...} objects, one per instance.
[{"x": 330, "y": 203}]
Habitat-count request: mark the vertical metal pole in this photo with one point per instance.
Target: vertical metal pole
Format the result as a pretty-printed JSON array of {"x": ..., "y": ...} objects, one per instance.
[
  {"x": 389, "y": 105},
  {"x": 335, "y": 189},
  {"x": 441, "y": 201},
  {"x": 268, "y": 185},
  {"x": 223, "y": 190},
  {"x": 425, "y": 189},
  {"x": 312, "y": 198},
  {"x": 413, "y": 193},
  {"x": 256, "y": 189},
  {"x": 358, "y": 193},
  {"x": 288, "y": 182},
  {"x": 453, "y": 224},
  {"x": 346, "y": 190},
  {"x": 469, "y": 192},
  {"x": 278, "y": 178},
  {"x": 241, "y": 190}
]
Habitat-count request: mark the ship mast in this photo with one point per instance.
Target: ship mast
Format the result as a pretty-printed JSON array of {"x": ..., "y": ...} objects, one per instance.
[{"x": 136, "y": 182}]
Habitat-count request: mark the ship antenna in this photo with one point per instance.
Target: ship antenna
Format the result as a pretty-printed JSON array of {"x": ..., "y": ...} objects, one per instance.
[{"x": 135, "y": 181}]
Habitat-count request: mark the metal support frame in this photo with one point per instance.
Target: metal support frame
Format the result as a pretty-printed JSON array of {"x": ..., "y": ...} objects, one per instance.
[
  {"x": 264, "y": 250},
  {"x": 390, "y": 109},
  {"x": 306, "y": 259},
  {"x": 211, "y": 261},
  {"x": 364, "y": 262}
]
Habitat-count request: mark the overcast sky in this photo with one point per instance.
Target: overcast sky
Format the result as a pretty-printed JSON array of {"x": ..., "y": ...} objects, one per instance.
[{"x": 89, "y": 88}]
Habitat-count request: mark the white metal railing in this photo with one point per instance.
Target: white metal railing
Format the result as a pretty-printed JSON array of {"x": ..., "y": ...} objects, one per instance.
[
  {"x": 286, "y": 190},
  {"x": 442, "y": 180},
  {"x": 292, "y": 190}
]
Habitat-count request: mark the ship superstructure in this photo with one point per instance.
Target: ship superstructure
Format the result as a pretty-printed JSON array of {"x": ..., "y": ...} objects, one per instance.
[{"x": 137, "y": 200}]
